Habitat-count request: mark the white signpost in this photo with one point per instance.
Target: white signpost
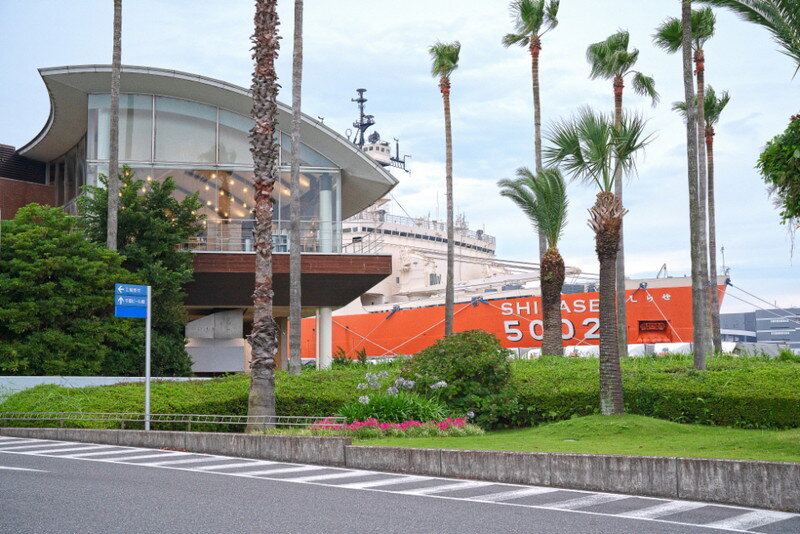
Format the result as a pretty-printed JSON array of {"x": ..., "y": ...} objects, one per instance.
[{"x": 134, "y": 302}]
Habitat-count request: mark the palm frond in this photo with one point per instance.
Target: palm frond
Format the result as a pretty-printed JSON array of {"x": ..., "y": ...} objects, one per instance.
[
  {"x": 780, "y": 17},
  {"x": 528, "y": 16},
  {"x": 611, "y": 57},
  {"x": 551, "y": 14},
  {"x": 669, "y": 35},
  {"x": 444, "y": 58},
  {"x": 645, "y": 86},
  {"x": 715, "y": 105},
  {"x": 511, "y": 39},
  {"x": 589, "y": 147},
  {"x": 542, "y": 197}
]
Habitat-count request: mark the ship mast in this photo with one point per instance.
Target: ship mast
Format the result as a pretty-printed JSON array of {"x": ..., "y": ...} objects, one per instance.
[{"x": 364, "y": 123}]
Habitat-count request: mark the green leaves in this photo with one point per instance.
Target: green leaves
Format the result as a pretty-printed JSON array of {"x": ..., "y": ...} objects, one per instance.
[
  {"x": 713, "y": 106},
  {"x": 669, "y": 34},
  {"x": 543, "y": 198},
  {"x": 780, "y": 167},
  {"x": 56, "y": 294},
  {"x": 590, "y": 147},
  {"x": 780, "y": 17},
  {"x": 444, "y": 58},
  {"x": 611, "y": 58},
  {"x": 532, "y": 19}
]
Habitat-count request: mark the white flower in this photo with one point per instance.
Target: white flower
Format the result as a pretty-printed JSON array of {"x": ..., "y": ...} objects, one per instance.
[
  {"x": 471, "y": 415},
  {"x": 361, "y": 386},
  {"x": 364, "y": 399},
  {"x": 392, "y": 390},
  {"x": 438, "y": 385}
]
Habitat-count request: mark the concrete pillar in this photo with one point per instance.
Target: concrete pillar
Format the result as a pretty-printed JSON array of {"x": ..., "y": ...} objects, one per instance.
[
  {"x": 326, "y": 214},
  {"x": 324, "y": 338},
  {"x": 283, "y": 344}
]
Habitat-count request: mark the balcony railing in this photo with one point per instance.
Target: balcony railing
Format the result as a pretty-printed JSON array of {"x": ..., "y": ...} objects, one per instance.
[
  {"x": 236, "y": 235},
  {"x": 419, "y": 222}
]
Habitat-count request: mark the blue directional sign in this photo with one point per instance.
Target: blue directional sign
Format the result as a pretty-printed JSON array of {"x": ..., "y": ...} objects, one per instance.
[{"x": 130, "y": 301}]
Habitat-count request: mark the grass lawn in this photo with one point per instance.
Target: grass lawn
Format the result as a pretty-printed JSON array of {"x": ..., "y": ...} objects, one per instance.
[{"x": 627, "y": 434}]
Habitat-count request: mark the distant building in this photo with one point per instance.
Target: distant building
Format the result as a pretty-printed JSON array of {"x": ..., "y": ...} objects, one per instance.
[{"x": 774, "y": 326}]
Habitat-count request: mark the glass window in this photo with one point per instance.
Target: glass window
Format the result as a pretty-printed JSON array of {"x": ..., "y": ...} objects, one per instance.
[
  {"x": 234, "y": 138},
  {"x": 308, "y": 156},
  {"x": 185, "y": 131},
  {"x": 135, "y": 127}
]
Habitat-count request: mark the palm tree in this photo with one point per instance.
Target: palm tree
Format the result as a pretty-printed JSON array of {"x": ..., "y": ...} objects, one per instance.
[
  {"x": 780, "y": 17},
  {"x": 444, "y": 58},
  {"x": 113, "y": 152},
  {"x": 543, "y": 198},
  {"x": 592, "y": 148},
  {"x": 295, "y": 319},
  {"x": 611, "y": 60},
  {"x": 670, "y": 36},
  {"x": 532, "y": 20},
  {"x": 713, "y": 107},
  {"x": 264, "y": 335}
]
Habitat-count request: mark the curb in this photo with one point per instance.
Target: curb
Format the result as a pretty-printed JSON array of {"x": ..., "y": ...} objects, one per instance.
[{"x": 758, "y": 484}]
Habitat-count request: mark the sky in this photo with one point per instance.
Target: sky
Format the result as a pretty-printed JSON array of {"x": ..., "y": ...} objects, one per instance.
[{"x": 382, "y": 46}]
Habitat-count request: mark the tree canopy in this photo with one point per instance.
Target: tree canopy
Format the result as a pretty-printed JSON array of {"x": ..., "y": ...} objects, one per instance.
[
  {"x": 780, "y": 166},
  {"x": 152, "y": 227},
  {"x": 56, "y": 300}
]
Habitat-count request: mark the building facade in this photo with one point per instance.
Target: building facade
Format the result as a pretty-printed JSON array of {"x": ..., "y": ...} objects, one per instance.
[
  {"x": 196, "y": 130},
  {"x": 775, "y": 326}
]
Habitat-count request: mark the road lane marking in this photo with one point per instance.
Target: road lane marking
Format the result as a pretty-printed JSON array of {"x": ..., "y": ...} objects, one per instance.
[
  {"x": 2, "y": 445},
  {"x": 589, "y": 500},
  {"x": 446, "y": 487},
  {"x": 513, "y": 494},
  {"x": 69, "y": 449},
  {"x": 34, "y": 446},
  {"x": 660, "y": 510},
  {"x": 123, "y": 450},
  {"x": 281, "y": 470},
  {"x": 231, "y": 466},
  {"x": 383, "y": 482},
  {"x": 329, "y": 476},
  {"x": 22, "y": 469},
  {"x": 185, "y": 461},
  {"x": 750, "y": 520},
  {"x": 164, "y": 454}
]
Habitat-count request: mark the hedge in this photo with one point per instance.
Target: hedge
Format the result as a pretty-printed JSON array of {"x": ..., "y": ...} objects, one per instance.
[{"x": 740, "y": 392}]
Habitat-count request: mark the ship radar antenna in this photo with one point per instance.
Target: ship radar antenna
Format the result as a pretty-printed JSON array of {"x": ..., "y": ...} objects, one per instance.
[{"x": 364, "y": 122}]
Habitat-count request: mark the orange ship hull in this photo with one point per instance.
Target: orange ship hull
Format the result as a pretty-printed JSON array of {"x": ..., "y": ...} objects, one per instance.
[{"x": 655, "y": 315}]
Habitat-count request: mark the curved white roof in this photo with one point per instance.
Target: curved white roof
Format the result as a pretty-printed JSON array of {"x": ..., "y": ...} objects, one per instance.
[{"x": 363, "y": 180}]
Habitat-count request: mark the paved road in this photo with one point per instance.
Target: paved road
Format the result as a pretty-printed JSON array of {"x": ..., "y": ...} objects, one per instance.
[{"x": 62, "y": 487}]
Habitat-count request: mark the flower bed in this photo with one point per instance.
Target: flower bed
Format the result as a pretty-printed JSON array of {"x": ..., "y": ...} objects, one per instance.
[{"x": 372, "y": 428}]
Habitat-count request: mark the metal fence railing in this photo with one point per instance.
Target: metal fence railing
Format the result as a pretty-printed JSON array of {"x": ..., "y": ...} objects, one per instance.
[{"x": 132, "y": 420}]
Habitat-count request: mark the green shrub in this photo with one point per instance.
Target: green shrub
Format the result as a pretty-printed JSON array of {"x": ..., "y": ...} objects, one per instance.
[
  {"x": 473, "y": 365},
  {"x": 403, "y": 406}
]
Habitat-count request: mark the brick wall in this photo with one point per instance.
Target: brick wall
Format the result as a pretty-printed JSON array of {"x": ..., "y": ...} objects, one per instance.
[{"x": 15, "y": 194}]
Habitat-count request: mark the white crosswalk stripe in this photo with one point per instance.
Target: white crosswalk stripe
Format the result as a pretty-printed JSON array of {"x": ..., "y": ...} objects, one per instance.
[
  {"x": 445, "y": 487},
  {"x": 661, "y": 510},
  {"x": 68, "y": 449},
  {"x": 589, "y": 500},
  {"x": 164, "y": 454},
  {"x": 383, "y": 482},
  {"x": 100, "y": 453},
  {"x": 750, "y": 520},
  {"x": 231, "y": 466},
  {"x": 331, "y": 476},
  {"x": 282, "y": 470},
  {"x": 512, "y": 494}
]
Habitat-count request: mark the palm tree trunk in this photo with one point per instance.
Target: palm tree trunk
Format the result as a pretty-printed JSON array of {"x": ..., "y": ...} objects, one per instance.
[
  {"x": 113, "y": 151},
  {"x": 552, "y": 281},
  {"x": 716, "y": 335},
  {"x": 702, "y": 193},
  {"x": 697, "y": 219},
  {"x": 536, "y": 48},
  {"x": 606, "y": 219},
  {"x": 264, "y": 335},
  {"x": 621, "y": 294},
  {"x": 449, "y": 293},
  {"x": 295, "y": 363}
]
